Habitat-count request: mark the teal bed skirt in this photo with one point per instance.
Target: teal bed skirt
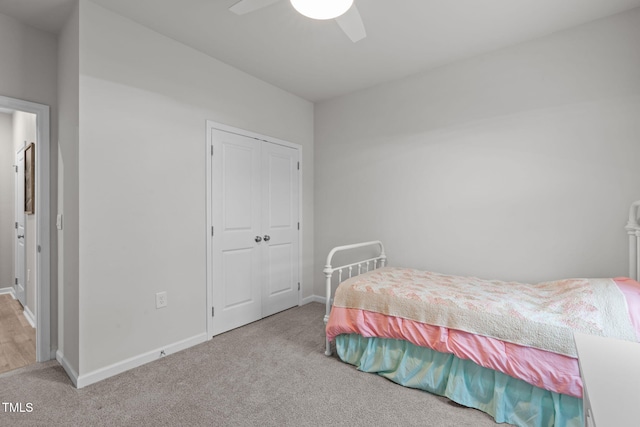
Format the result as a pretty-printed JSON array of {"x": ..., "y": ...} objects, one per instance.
[{"x": 507, "y": 399}]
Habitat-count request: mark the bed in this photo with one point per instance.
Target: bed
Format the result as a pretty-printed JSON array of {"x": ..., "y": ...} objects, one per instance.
[{"x": 505, "y": 348}]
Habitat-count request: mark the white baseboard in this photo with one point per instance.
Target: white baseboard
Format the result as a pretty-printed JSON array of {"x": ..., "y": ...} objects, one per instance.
[
  {"x": 30, "y": 317},
  {"x": 9, "y": 291},
  {"x": 73, "y": 375},
  {"x": 133, "y": 362},
  {"x": 314, "y": 298}
]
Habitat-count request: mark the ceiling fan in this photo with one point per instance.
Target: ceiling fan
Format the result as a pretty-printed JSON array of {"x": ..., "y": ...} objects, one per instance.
[{"x": 344, "y": 12}]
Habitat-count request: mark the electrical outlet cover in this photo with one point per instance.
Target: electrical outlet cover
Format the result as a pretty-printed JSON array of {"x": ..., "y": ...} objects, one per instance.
[{"x": 161, "y": 299}]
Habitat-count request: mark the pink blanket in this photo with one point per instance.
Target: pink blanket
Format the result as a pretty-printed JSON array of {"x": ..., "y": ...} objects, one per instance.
[{"x": 544, "y": 369}]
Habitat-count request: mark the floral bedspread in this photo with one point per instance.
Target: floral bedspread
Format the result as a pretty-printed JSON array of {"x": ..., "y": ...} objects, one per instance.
[{"x": 542, "y": 315}]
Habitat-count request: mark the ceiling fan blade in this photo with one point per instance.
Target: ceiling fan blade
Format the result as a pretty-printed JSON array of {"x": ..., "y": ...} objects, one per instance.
[
  {"x": 351, "y": 24},
  {"x": 246, "y": 6}
]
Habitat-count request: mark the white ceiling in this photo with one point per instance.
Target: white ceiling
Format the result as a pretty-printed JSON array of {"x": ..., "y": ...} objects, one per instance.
[{"x": 314, "y": 59}]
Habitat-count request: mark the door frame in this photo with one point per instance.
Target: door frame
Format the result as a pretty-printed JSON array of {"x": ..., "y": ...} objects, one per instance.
[
  {"x": 211, "y": 125},
  {"x": 44, "y": 351}
]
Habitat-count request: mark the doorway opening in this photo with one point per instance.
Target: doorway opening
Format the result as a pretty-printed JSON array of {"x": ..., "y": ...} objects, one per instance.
[{"x": 25, "y": 277}]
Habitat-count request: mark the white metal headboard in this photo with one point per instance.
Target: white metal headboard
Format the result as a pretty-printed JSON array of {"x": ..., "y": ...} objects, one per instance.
[
  {"x": 633, "y": 229},
  {"x": 361, "y": 266}
]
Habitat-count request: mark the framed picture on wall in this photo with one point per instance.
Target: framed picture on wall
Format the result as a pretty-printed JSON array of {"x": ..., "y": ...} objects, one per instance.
[{"x": 30, "y": 179}]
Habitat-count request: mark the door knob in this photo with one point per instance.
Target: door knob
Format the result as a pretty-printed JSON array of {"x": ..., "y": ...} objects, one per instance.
[
  {"x": 258, "y": 239},
  {"x": 267, "y": 237},
  {"x": 20, "y": 236}
]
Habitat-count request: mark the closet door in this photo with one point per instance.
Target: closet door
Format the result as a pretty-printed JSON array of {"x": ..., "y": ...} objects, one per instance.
[
  {"x": 280, "y": 225},
  {"x": 254, "y": 206},
  {"x": 236, "y": 195}
]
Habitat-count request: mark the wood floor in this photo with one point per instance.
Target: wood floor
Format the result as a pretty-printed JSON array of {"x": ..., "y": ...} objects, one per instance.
[{"x": 17, "y": 337}]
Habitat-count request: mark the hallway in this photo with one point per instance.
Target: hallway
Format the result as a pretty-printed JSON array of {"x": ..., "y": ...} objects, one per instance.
[{"x": 17, "y": 337}]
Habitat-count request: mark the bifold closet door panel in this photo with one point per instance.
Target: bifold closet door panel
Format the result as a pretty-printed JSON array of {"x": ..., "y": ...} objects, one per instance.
[
  {"x": 237, "y": 212},
  {"x": 280, "y": 224}
]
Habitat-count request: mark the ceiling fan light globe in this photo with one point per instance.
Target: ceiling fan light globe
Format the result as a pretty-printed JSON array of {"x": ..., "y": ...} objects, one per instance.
[{"x": 322, "y": 9}]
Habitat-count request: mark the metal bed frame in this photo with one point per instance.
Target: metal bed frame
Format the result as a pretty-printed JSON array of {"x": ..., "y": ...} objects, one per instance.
[
  {"x": 362, "y": 266},
  {"x": 633, "y": 229}
]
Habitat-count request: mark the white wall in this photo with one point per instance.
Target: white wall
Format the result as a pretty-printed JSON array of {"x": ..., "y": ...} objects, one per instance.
[
  {"x": 28, "y": 71},
  {"x": 518, "y": 164},
  {"x": 7, "y": 201},
  {"x": 28, "y": 65},
  {"x": 24, "y": 133},
  {"x": 67, "y": 197},
  {"x": 144, "y": 101}
]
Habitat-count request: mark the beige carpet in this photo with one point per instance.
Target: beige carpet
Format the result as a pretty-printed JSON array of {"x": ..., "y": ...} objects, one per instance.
[{"x": 269, "y": 373}]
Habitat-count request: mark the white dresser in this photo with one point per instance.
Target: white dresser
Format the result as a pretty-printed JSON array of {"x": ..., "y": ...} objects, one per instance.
[{"x": 610, "y": 371}]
